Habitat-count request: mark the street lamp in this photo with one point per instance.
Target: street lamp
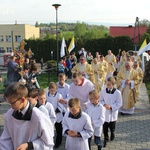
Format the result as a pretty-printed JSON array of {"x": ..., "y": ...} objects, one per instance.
[{"x": 56, "y": 7}]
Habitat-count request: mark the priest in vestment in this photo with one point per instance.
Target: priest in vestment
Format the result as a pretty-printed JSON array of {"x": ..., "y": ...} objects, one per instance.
[
  {"x": 123, "y": 58},
  {"x": 104, "y": 65},
  {"x": 137, "y": 58},
  {"x": 99, "y": 74},
  {"x": 140, "y": 75},
  {"x": 84, "y": 68},
  {"x": 127, "y": 82},
  {"x": 111, "y": 59}
]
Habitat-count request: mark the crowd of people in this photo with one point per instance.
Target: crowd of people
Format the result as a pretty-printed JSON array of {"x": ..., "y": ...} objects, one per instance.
[{"x": 102, "y": 86}]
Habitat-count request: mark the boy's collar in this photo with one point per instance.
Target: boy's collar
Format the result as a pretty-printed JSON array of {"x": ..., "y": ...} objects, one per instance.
[
  {"x": 110, "y": 91},
  {"x": 77, "y": 116},
  {"x": 26, "y": 116},
  {"x": 96, "y": 104},
  {"x": 49, "y": 94}
]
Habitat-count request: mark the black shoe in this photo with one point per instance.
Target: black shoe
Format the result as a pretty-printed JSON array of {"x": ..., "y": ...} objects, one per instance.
[
  {"x": 105, "y": 144},
  {"x": 99, "y": 148},
  {"x": 122, "y": 114},
  {"x": 56, "y": 145},
  {"x": 112, "y": 136}
]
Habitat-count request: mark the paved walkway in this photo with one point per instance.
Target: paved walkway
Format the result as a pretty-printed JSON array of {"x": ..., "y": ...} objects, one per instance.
[{"x": 132, "y": 131}]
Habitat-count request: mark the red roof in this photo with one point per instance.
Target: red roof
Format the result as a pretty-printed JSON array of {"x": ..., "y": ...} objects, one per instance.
[{"x": 127, "y": 31}]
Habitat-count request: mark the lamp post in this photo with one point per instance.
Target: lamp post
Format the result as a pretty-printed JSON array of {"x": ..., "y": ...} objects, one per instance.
[{"x": 56, "y": 7}]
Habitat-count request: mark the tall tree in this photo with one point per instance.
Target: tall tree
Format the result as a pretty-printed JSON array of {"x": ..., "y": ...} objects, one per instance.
[
  {"x": 80, "y": 29},
  {"x": 36, "y": 24}
]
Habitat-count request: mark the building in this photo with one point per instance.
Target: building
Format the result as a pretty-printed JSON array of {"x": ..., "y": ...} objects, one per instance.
[
  {"x": 133, "y": 32},
  {"x": 12, "y": 34}
]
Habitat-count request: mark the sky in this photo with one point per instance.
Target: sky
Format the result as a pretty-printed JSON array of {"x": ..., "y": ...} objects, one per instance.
[{"x": 102, "y": 12}]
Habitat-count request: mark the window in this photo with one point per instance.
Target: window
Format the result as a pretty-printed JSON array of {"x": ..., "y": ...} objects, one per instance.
[
  {"x": 1, "y": 48},
  {"x": 1, "y": 38},
  {"x": 9, "y": 49},
  {"x": 8, "y": 38},
  {"x": 18, "y": 38}
]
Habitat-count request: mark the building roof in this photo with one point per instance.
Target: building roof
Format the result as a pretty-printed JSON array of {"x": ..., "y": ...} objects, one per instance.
[{"x": 127, "y": 31}]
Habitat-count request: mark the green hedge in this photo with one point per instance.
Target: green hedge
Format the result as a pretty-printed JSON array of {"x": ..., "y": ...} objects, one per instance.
[{"x": 43, "y": 48}]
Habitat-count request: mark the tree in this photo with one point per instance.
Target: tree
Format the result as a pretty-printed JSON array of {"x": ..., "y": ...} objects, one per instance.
[
  {"x": 63, "y": 27},
  {"x": 145, "y": 22},
  {"x": 80, "y": 29},
  {"x": 36, "y": 24}
]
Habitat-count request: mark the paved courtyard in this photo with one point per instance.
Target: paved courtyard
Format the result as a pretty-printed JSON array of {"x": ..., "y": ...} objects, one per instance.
[{"x": 132, "y": 131}]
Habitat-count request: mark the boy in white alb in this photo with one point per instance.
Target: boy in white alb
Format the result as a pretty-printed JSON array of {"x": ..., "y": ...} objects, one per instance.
[
  {"x": 48, "y": 106},
  {"x": 25, "y": 126},
  {"x": 96, "y": 111},
  {"x": 62, "y": 87},
  {"x": 111, "y": 99},
  {"x": 53, "y": 97},
  {"x": 77, "y": 127},
  {"x": 32, "y": 97}
]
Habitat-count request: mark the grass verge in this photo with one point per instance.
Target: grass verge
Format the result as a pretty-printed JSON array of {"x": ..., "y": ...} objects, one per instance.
[
  {"x": 148, "y": 89},
  {"x": 44, "y": 79},
  {"x": 2, "y": 84}
]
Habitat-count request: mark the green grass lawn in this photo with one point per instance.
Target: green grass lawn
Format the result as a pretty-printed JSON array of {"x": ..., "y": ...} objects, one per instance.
[
  {"x": 2, "y": 84},
  {"x": 44, "y": 81},
  {"x": 148, "y": 89}
]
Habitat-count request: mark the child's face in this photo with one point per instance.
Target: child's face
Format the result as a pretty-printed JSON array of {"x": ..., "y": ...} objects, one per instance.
[
  {"x": 52, "y": 91},
  {"x": 26, "y": 70},
  {"x": 109, "y": 85},
  {"x": 33, "y": 101},
  {"x": 74, "y": 110},
  {"x": 62, "y": 80},
  {"x": 42, "y": 99},
  {"x": 93, "y": 99},
  {"x": 16, "y": 103}
]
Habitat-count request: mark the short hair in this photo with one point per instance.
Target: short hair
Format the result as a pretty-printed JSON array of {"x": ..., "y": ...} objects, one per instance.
[
  {"x": 82, "y": 56},
  {"x": 135, "y": 62},
  {"x": 74, "y": 102},
  {"x": 52, "y": 85},
  {"x": 101, "y": 56},
  {"x": 41, "y": 92},
  {"x": 33, "y": 92},
  {"x": 61, "y": 75},
  {"x": 12, "y": 57},
  {"x": 76, "y": 74},
  {"x": 34, "y": 67},
  {"x": 94, "y": 93},
  {"x": 16, "y": 90},
  {"x": 26, "y": 67},
  {"x": 111, "y": 79}
]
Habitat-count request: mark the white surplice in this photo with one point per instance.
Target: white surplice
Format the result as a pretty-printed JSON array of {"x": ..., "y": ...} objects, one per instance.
[
  {"x": 97, "y": 115},
  {"x": 81, "y": 92},
  {"x": 83, "y": 126},
  {"x": 38, "y": 130},
  {"x": 53, "y": 99},
  {"x": 114, "y": 100}
]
